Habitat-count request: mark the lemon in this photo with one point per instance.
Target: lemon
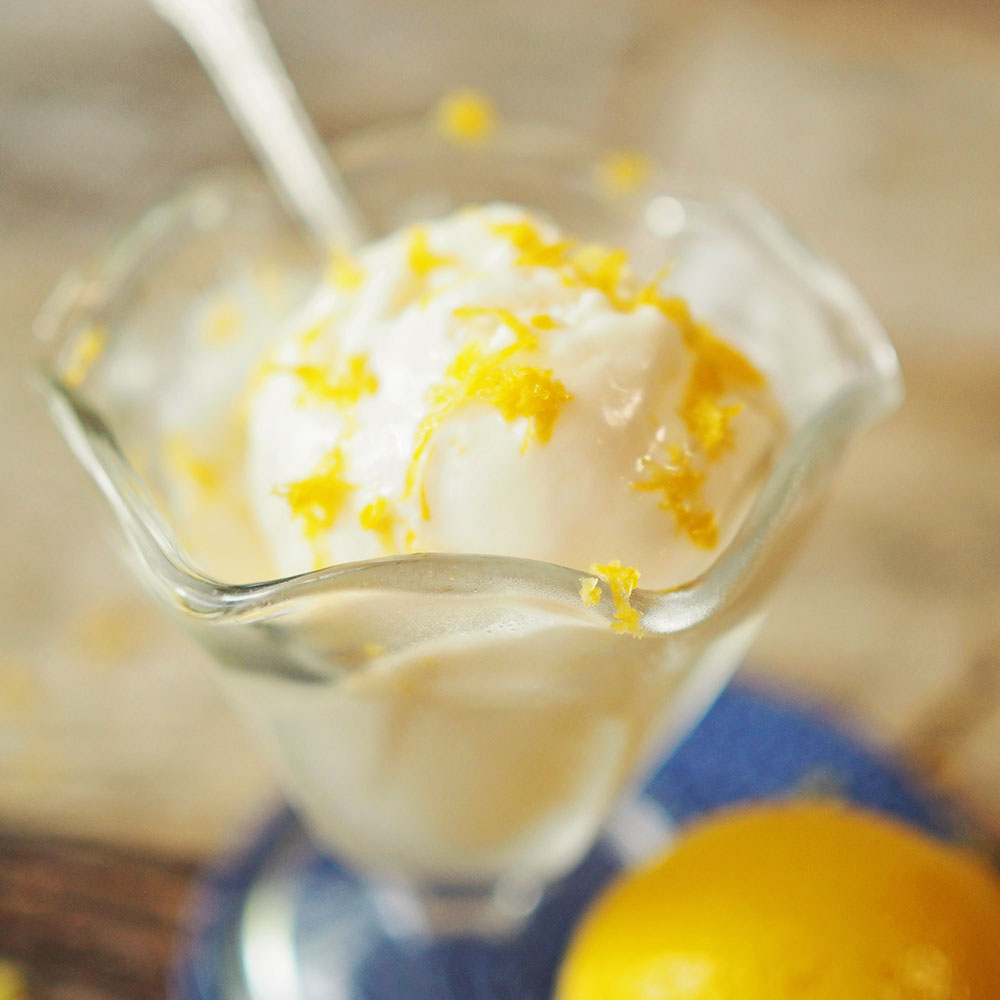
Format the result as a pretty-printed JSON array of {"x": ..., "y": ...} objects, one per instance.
[{"x": 812, "y": 901}]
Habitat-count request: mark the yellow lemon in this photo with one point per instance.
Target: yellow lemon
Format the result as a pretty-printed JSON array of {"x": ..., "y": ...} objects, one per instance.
[{"x": 811, "y": 901}]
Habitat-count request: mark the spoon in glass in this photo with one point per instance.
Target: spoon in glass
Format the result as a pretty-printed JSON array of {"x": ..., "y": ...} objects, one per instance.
[{"x": 236, "y": 51}]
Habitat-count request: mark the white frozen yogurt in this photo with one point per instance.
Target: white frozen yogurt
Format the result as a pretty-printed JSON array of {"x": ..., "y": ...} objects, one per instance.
[{"x": 483, "y": 384}]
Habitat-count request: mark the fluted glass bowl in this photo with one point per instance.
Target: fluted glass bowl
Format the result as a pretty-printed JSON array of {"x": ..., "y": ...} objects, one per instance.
[{"x": 524, "y": 717}]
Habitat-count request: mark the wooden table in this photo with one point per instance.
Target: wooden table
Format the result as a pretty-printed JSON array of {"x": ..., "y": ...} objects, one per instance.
[
  {"x": 874, "y": 127},
  {"x": 87, "y": 921}
]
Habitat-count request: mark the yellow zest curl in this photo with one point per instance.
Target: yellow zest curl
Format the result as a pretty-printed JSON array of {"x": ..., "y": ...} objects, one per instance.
[
  {"x": 466, "y": 117},
  {"x": 318, "y": 499},
  {"x": 590, "y": 591},
  {"x": 681, "y": 486},
  {"x": 522, "y": 391},
  {"x": 311, "y": 336},
  {"x": 87, "y": 346},
  {"x": 185, "y": 462},
  {"x": 706, "y": 418},
  {"x": 343, "y": 388},
  {"x": 543, "y": 321},
  {"x": 533, "y": 250},
  {"x": 623, "y": 172},
  {"x": 622, "y": 580},
  {"x": 380, "y": 517},
  {"x": 716, "y": 370},
  {"x": 421, "y": 259},
  {"x": 592, "y": 265},
  {"x": 224, "y": 322},
  {"x": 345, "y": 272},
  {"x": 605, "y": 269}
]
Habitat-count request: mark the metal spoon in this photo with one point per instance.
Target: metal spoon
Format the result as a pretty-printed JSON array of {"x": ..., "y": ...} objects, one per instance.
[{"x": 235, "y": 48}]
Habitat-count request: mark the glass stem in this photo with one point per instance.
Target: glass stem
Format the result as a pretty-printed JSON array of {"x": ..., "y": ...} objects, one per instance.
[{"x": 411, "y": 912}]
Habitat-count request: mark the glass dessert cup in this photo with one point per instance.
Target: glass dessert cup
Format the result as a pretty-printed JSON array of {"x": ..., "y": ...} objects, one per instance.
[{"x": 524, "y": 719}]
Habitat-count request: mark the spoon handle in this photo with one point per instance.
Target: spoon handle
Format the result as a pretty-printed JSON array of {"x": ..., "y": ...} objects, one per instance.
[{"x": 235, "y": 48}]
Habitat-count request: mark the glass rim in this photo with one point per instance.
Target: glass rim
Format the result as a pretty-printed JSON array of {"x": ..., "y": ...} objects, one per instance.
[{"x": 872, "y": 394}]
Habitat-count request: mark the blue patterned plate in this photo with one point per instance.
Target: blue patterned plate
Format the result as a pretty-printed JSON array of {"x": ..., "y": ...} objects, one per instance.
[{"x": 280, "y": 921}]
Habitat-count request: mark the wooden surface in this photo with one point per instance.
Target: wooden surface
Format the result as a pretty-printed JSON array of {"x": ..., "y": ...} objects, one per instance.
[
  {"x": 873, "y": 127},
  {"x": 84, "y": 921}
]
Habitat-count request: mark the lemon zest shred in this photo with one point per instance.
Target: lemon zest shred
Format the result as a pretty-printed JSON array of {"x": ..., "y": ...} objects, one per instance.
[
  {"x": 552, "y": 255},
  {"x": 622, "y": 580},
  {"x": 425, "y": 507},
  {"x": 543, "y": 321},
  {"x": 605, "y": 269},
  {"x": 519, "y": 391},
  {"x": 421, "y": 259},
  {"x": 728, "y": 365},
  {"x": 681, "y": 485},
  {"x": 474, "y": 376},
  {"x": 185, "y": 461},
  {"x": 84, "y": 351},
  {"x": 592, "y": 265},
  {"x": 533, "y": 249},
  {"x": 590, "y": 591},
  {"x": 381, "y": 518},
  {"x": 344, "y": 388},
  {"x": 344, "y": 271},
  {"x": 319, "y": 499},
  {"x": 716, "y": 370},
  {"x": 466, "y": 117},
  {"x": 623, "y": 172},
  {"x": 311, "y": 335},
  {"x": 224, "y": 322},
  {"x": 707, "y": 419}
]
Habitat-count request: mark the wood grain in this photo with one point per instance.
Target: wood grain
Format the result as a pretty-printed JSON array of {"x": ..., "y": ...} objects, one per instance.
[{"x": 83, "y": 921}]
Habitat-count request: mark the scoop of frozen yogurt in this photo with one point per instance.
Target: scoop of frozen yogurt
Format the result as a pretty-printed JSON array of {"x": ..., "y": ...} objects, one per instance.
[{"x": 486, "y": 384}]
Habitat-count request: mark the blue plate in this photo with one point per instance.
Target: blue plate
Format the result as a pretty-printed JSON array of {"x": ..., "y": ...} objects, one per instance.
[{"x": 280, "y": 921}]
